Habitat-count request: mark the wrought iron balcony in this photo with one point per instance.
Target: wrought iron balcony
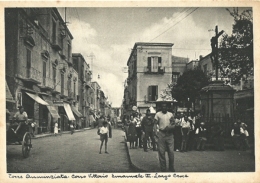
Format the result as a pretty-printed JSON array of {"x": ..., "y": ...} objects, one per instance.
[
  {"x": 154, "y": 70},
  {"x": 32, "y": 75}
]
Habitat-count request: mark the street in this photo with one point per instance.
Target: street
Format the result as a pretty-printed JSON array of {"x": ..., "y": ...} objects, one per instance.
[{"x": 70, "y": 153}]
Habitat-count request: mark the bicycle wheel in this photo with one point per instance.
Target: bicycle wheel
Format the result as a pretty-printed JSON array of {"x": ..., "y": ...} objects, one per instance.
[{"x": 26, "y": 145}]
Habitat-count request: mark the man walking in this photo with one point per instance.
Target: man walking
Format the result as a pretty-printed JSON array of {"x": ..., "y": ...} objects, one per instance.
[
  {"x": 147, "y": 128},
  {"x": 165, "y": 121}
]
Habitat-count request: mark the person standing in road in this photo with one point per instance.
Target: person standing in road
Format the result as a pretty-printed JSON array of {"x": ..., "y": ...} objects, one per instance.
[
  {"x": 138, "y": 131},
  {"x": 202, "y": 136},
  {"x": 103, "y": 136},
  {"x": 177, "y": 134},
  {"x": 71, "y": 127},
  {"x": 132, "y": 134},
  {"x": 185, "y": 130},
  {"x": 165, "y": 121},
  {"x": 56, "y": 128},
  {"x": 147, "y": 128}
]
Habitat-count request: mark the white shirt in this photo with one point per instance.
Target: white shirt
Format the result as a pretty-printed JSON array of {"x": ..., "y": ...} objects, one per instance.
[
  {"x": 103, "y": 130},
  {"x": 163, "y": 119},
  {"x": 20, "y": 116}
]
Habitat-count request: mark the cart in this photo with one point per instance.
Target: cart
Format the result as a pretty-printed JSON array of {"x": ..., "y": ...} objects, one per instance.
[{"x": 22, "y": 137}]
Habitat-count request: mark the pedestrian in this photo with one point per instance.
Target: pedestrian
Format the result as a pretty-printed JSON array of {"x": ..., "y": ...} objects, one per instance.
[
  {"x": 100, "y": 123},
  {"x": 71, "y": 127},
  {"x": 177, "y": 134},
  {"x": 132, "y": 134},
  {"x": 33, "y": 124},
  {"x": 109, "y": 127},
  {"x": 56, "y": 128},
  {"x": 191, "y": 139},
  {"x": 235, "y": 134},
  {"x": 201, "y": 132},
  {"x": 138, "y": 131},
  {"x": 185, "y": 130},
  {"x": 165, "y": 121},
  {"x": 147, "y": 125},
  {"x": 103, "y": 136},
  {"x": 244, "y": 136}
]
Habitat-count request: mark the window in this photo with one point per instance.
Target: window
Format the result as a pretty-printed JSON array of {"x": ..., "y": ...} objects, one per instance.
[
  {"x": 175, "y": 77},
  {"x": 62, "y": 83},
  {"x": 205, "y": 68},
  {"x": 152, "y": 93},
  {"x": 44, "y": 72},
  {"x": 154, "y": 64},
  {"x": 54, "y": 31},
  {"x": 54, "y": 75},
  {"x": 69, "y": 51},
  {"x": 74, "y": 88},
  {"x": 28, "y": 62}
]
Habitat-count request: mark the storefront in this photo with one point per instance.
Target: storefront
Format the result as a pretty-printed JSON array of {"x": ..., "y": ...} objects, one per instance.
[
  {"x": 53, "y": 115},
  {"x": 78, "y": 117},
  {"x": 38, "y": 105},
  {"x": 65, "y": 113}
]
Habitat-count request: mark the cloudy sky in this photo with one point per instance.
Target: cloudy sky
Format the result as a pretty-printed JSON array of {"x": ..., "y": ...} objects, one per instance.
[{"x": 110, "y": 33}]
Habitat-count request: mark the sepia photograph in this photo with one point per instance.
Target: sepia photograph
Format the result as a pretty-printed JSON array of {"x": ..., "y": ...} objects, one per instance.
[{"x": 129, "y": 92}]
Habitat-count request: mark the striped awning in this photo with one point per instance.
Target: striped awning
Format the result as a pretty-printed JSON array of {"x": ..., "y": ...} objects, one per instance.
[
  {"x": 37, "y": 98},
  {"x": 69, "y": 112},
  {"x": 52, "y": 109}
]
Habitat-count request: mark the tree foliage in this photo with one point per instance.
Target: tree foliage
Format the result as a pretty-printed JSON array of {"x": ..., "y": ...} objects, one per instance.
[
  {"x": 236, "y": 50},
  {"x": 189, "y": 85}
]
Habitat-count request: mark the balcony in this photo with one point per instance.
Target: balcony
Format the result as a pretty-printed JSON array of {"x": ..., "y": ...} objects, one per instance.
[
  {"x": 154, "y": 70},
  {"x": 71, "y": 96},
  {"x": 32, "y": 76},
  {"x": 47, "y": 84}
]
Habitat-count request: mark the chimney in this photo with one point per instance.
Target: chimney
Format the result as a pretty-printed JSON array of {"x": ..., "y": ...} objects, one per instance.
[{"x": 201, "y": 57}]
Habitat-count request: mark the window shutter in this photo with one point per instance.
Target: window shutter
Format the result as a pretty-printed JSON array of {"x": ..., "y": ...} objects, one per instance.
[
  {"x": 160, "y": 61},
  {"x": 156, "y": 91},
  {"x": 149, "y": 93},
  {"x": 149, "y": 64}
]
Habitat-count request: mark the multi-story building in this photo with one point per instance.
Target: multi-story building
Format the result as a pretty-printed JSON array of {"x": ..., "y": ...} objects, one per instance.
[
  {"x": 84, "y": 87},
  {"x": 149, "y": 72},
  {"x": 179, "y": 65},
  {"x": 38, "y": 65},
  {"x": 95, "y": 95}
]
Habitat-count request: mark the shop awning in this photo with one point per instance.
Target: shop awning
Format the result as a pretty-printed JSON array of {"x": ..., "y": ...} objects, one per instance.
[
  {"x": 69, "y": 112},
  {"x": 9, "y": 97},
  {"x": 37, "y": 98},
  {"x": 51, "y": 108},
  {"x": 76, "y": 112}
]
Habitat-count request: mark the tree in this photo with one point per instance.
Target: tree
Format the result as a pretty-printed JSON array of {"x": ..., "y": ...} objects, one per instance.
[
  {"x": 189, "y": 85},
  {"x": 236, "y": 51}
]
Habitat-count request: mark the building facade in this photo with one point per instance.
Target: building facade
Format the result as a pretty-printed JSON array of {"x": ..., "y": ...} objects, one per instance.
[
  {"x": 38, "y": 48},
  {"x": 149, "y": 72}
]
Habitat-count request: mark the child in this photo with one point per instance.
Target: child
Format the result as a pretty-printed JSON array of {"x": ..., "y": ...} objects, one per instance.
[
  {"x": 103, "y": 136},
  {"x": 56, "y": 128},
  {"x": 201, "y": 132}
]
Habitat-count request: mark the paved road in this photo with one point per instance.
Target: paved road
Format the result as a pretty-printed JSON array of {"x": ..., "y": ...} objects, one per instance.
[{"x": 77, "y": 153}]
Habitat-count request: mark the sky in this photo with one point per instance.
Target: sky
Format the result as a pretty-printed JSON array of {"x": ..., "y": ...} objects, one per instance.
[{"x": 109, "y": 34}]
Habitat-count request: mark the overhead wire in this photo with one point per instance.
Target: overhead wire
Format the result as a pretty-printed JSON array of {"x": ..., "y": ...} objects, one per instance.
[{"x": 174, "y": 24}]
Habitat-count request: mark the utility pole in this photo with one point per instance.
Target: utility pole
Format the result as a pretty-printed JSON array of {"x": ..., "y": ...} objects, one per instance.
[{"x": 214, "y": 47}]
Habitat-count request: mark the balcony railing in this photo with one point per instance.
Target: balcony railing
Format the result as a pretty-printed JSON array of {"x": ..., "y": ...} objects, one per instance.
[
  {"x": 154, "y": 70},
  {"x": 33, "y": 75}
]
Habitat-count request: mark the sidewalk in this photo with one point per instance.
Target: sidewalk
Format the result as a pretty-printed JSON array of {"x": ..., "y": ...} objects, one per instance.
[
  {"x": 52, "y": 134},
  {"x": 195, "y": 161}
]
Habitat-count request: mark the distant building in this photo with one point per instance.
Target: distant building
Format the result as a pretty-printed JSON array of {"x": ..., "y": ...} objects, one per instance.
[{"x": 179, "y": 65}]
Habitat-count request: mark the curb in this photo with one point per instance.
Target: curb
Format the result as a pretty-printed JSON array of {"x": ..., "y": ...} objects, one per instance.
[
  {"x": 136, "y": 169},
  {"x": 52, "y": 134}
]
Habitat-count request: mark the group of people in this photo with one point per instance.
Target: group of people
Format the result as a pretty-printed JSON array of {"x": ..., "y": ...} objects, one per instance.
[{"x": 240, "y": 135}]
